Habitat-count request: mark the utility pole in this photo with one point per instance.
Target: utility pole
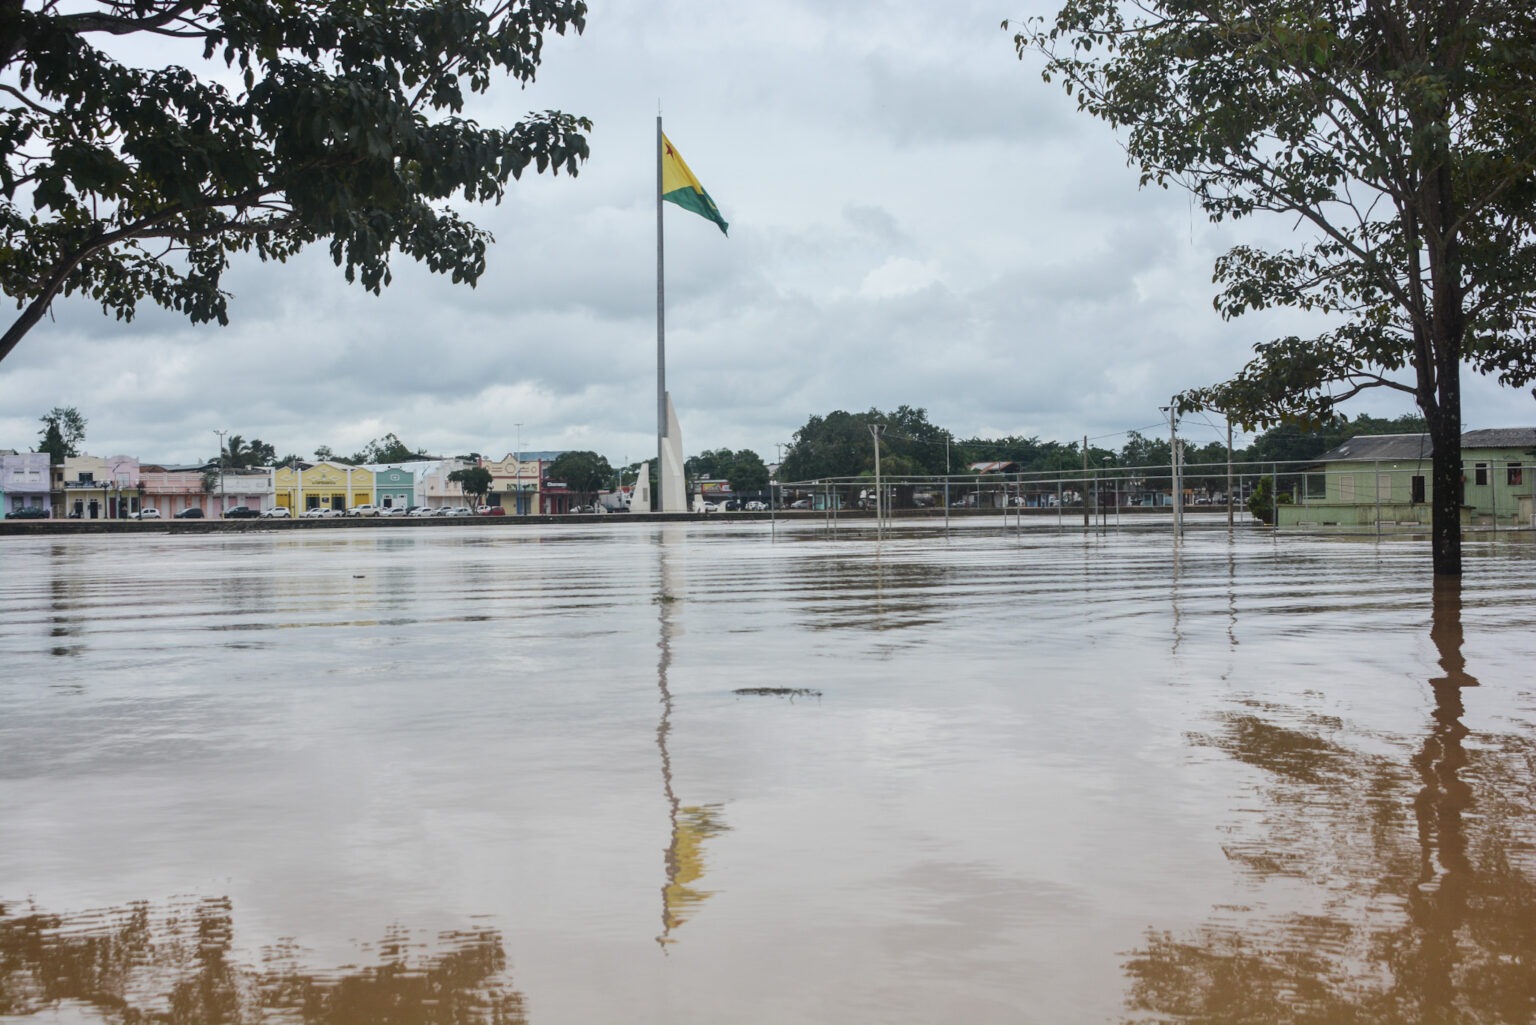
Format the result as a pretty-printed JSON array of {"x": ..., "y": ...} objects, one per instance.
[
  {"x": 222, "y": 502},
  {"x": 517, "y": 481},
  {"x": 946, "y": 482},
  {"x": 773, "y": 514},
  {"x": 1083, "y": 487},
  {"x": 1229, "y": 476},
  {"x": 875, "y": 431},
  {"x": 1173, "y": 466}
]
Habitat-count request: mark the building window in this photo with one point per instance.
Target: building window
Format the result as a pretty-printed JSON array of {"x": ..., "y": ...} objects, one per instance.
[
  {"x": 1515, "y": 474},
  {"x": 87, "y": 477},
  {"x": 1480, "y": 474},
  {"x": 1418, "y": 489}
]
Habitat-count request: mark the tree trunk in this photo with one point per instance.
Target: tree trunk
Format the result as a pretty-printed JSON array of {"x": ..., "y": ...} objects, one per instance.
[{"x": 1445, "y": 433}]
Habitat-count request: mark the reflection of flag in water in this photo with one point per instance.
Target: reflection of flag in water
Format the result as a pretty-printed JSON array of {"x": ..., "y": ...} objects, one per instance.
[
  {"x": 678, "y": 185},
  {"x": 685, "y": 863}
]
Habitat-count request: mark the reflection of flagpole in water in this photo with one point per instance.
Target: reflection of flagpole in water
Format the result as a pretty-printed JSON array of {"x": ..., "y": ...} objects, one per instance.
[
  {"x": 665, "y": 598},
  {"x": 1173, "y": 594},
  {"x": 1437, "y": 904},
  {"x": 690, "y": 826}
]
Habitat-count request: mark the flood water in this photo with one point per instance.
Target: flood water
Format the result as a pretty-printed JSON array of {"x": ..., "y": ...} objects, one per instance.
[{"x": 504, "y": 776}]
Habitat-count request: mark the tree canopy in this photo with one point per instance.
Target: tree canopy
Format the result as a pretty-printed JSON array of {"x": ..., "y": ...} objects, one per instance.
[
  {"x": 840, "y": 445},
  {"x": 63, "y": 431},
  {"x": 240, "y": 454},
  {"x": 1400, "y": 134},
  {"x": 270, "y": 125},
  {"x": 585, "y": 473},
  {"x": 744, "y": 470},
  {"x": 475, "y": 482},
  {"x": 388, "y": 449}
]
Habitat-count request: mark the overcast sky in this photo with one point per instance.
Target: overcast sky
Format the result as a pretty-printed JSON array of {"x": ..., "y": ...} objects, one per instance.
[{"x": 915, "y": 218}]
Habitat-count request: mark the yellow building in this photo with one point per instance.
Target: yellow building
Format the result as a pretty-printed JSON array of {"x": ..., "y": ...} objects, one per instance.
[
  {"x": 515, "y": 483},
  {"x": 323, "y": 486}
]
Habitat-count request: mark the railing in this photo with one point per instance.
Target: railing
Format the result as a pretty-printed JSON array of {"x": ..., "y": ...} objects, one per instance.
[{"x": 1381, "y": 496}]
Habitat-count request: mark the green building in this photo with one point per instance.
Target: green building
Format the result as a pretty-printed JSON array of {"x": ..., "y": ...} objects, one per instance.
[{"x": 1387, "y": 479}]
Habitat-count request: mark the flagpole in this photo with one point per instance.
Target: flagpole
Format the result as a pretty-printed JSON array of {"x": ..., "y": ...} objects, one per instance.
[{"x": 661, "y": 338}]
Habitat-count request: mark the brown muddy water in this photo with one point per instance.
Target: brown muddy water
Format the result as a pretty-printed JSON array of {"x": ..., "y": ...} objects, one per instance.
[{"x": 506, "y": 776}]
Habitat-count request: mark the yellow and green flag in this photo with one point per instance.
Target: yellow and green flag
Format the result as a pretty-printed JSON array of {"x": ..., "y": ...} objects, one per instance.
[{"x": 678, "y": 185}]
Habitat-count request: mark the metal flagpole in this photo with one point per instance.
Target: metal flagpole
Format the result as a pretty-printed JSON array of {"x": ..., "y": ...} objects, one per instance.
[{"x": 661, "y": 341}]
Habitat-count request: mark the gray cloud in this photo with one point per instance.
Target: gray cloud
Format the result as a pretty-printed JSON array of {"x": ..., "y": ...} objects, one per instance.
[{"x": 915, "y": 218}]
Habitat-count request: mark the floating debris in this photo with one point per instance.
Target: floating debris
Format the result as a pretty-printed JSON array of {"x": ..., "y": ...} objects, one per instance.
[{"x": 778, "y": 692}]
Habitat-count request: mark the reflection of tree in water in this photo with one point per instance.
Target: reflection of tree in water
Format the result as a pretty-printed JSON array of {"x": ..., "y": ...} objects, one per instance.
[
  {"x": 1425, "y": 870},
  {"x": 141, "y": 963}
]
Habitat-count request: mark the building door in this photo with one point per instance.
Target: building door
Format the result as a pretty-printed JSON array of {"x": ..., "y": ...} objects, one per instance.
[{"x": 1417, "y": 493}]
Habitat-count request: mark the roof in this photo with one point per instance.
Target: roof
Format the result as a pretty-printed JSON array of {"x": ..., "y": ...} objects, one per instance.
[
  {"x": 1500, "y": 437},
  {"x": 1371, "y": 447}
]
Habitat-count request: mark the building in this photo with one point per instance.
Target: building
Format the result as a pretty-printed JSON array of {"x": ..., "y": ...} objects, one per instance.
[
  {"x": 516, "y": 481},
  {"x": 24, "y": 482},
  {"x": 437, "y": 491},
  {"x": 172, "y": 490},
  {"x": 394, "y": 487},
  {"x": 1374, "y": 480},
  {"x": 324, "y": 485},
  {"x": 97, "y": 488}
]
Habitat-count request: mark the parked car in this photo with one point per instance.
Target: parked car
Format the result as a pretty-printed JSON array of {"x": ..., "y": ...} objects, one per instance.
[
  {"x": 277, "y": 512},
  {"x": 421, "y": 510},
  {"x": 493, "y": 510},
  {"x": 363, "y": 510},
  {"x": 31, "y": 512},
  {"x": 321, "y": 512},
  {"x": 241, "y": 512},
  {"x": 147, "y": 514},
  {"x": 393, "y": 510},
  {"x": 193, "y": 513},
  {"x": 756, "y": 506},
  {"x": 803, "y": 503}
]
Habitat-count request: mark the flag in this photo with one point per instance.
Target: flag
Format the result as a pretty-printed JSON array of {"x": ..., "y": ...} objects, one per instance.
[{"x": 678, "y": 185}]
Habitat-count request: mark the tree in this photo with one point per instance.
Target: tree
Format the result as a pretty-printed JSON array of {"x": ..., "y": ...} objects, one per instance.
[
  {"x": 743, "y": 470},
  {"x": 475, "y": 482},
  {"x": 1401, "y": 133},
  {"x": 747, "y": 473},
  {"x": 388, "y": 449},
  {"x": 711, "y": 464},
  {"x": 240, "y": 454},
  {"x": 63, "y": 431},
  {"x": 583, "y": 472},
  {"x": 840, "y": 444},
  {"x": 124, "y": 183}
]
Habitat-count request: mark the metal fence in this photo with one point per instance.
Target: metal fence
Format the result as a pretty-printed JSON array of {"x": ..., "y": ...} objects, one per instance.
[{"x": 1366, "y": 497}]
